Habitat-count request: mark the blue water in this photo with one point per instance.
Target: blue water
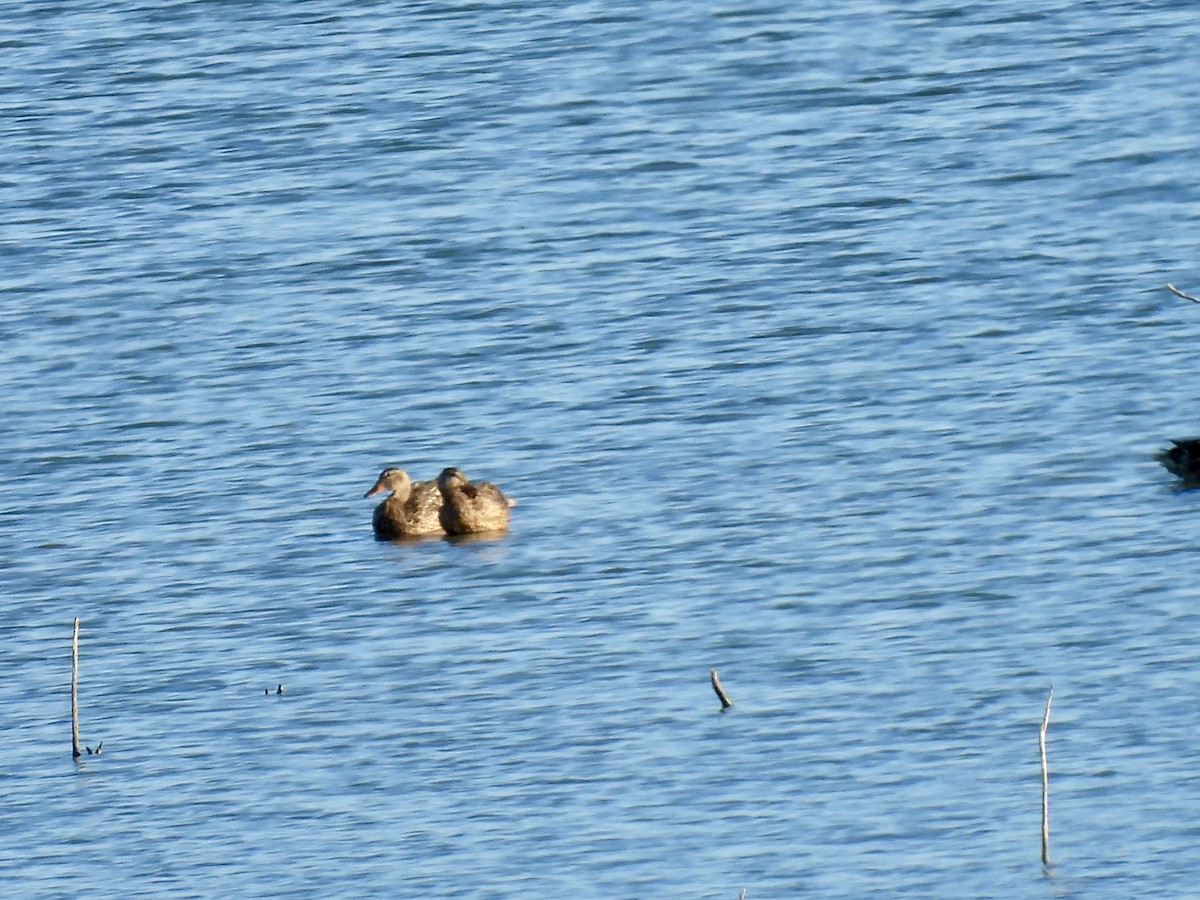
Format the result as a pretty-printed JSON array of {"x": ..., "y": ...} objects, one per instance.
[{"x": 824, "y": 344}]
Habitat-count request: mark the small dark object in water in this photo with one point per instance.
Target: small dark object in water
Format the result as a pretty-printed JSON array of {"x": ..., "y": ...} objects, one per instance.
[{"x": 1182, "y": 459}]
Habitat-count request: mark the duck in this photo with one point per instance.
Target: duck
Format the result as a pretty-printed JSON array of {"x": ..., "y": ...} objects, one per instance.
[
  {"x": 471, "y": 507},
  {"x": 411, "y": 510},
  {"x": 1182, "y": 459}
]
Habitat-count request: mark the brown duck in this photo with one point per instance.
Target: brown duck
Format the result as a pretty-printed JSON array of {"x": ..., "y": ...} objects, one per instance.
[
  {"x": 412, "y": 509},
  {"x": 471, "y": 507}
]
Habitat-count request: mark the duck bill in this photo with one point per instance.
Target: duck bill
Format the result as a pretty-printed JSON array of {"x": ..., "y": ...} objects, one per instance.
[{"x": 375, "y": 490}]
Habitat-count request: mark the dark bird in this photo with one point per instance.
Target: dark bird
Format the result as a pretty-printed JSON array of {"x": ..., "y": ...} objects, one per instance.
[{"x": 1182, "y": 459}]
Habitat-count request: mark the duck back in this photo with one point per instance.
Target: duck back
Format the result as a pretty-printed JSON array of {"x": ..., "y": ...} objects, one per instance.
[
  {"x": 417, "y": 515},
  {"x": 474, "y": 508}
]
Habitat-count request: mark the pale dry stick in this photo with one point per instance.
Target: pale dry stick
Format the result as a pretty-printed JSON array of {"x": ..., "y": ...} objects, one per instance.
[
  {"x": 1179, "y": 293},
  {"x": 1045, "y": 782},
  {"x": 75, "y": 691},
  {"x": 716, "y": 683}
]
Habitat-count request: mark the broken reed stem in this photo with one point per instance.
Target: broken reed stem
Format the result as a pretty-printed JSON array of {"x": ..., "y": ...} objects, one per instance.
[
  {"x": 1045, "y": 782},
  {"x": 1177, "y": 292},
  {"x": 716, "y": 683},
  {"x": 75, "y": 691}
]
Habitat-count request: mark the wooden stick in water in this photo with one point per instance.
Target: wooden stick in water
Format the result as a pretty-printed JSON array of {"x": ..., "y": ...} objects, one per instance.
[
  {"x": 1045, "y": 782},
  {"x": 1177, "y": 292},
  {"x": 75, "y": 691},
  {"x": 716, "y": 683}
]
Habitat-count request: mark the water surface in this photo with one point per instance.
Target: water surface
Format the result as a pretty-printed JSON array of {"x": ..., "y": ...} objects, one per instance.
[{"x": 825, "y": 346}]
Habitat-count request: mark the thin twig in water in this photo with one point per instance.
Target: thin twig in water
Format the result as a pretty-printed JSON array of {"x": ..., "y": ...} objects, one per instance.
[
  {"x": 1177, "y": 292},
  {"x": 1045, "y": 782},
  {"x": 716, "y": 683},
  {"x": 75, "y": 691}
]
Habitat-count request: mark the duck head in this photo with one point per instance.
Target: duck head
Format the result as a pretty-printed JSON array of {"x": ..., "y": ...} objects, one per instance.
[
  {"x": 451, "y": 479},
  {"x": 392, "y": 479}
]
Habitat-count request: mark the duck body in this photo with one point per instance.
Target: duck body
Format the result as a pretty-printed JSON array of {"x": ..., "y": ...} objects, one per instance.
[
  {"x": 411, "y": 509},
  {"x": 1182, "y": 459},
  {"x": 471, "y": 507}
]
